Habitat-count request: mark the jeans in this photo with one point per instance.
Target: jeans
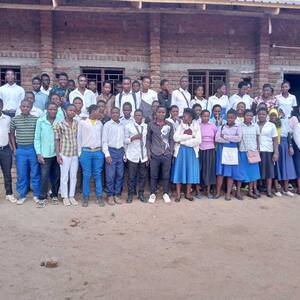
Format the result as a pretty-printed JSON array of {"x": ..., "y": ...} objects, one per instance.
[
  {"x": 91, "y": 163},
  {"x": 6, "y": 163},
  {"x": 137, "y": 173},
  {"x": 50, "y": 170},
  {"x": 68, "y": 170},
  {"x": 115, "y": 172},
  {"x": 27, "y": 163}
]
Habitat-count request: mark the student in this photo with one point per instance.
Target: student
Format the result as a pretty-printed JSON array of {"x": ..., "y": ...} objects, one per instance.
[
  {"x": 147, "y": 96},
  {"x": 126, "y": 118},
  {"x": 40, "y": 99},
  {"x": 266, "y": 97},
  {"x": 45, "y": 88},
  {"x": 186, "y": 167},
  {"x": 228, "y": 136},
  {"x": 56, "y": 99},
  {"x": 160, "y": 146},
  {"x": 216, "y": 117},
  {"x": 136, "y": 86},
  {"x": 71, "y": 85},
  {"x": 5, "y": 154},
  {"x": 286, "y": 100},
  {"x": 118, "y": 87},
  {"x": 61, "y": 89},
  {"x": 197, "y": 109},
  {"x": 241, "y": 96},
  {"x": 80, "y": 115},
  {"x": 240, "y": 109},
  {"x": 220, "y": 98},
  {"x": 174, "y": 117},
  {"x": 44, "y": 145},
  {"x": 93, "y": 87},
  {"x": 11, "y": 94},
  {"x": 102, "y": 109},
  {"x": 154, "y": 106},
  {"x": 85, "y": 94},
  {"x": 295, "y": 126},
  {"x": 199, "y": 97},
  {"x": 35, "y": 111},
  {"x": 91, "y": 157},
  {"x": 165, "y": 96},
  {"x": 207, "y": 153},
  {"x": 268, "y": 146},
  {"x": 248, "y": 144},
  {"x": 136, "y": 154},
  {"x": 113, "y": 148},
  {"x": 127, "y": 96},
  {"x": 107, "y": 97},
  {"x": 67, "y": 155},
  {"x": 181, "y": 97},
  {"x": 22, "y": 130}
]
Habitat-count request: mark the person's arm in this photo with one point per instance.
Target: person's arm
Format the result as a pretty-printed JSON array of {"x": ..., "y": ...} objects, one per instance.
[
  {"x": 219, "y": 136},
  {"x": 173, "y": 98},
  {"x": 171, "y": 139},
  {"x": 236, "y": 138},
  {"x": 275, "y": 144},
  {"x": 149, "y": 141},
  {"x": 105, "y": 138},
  {"x": 117, "y": 101},
  {"x": 290, "y": 145},
  {"x": 79, "y": 137},
  {"x": 12, "y": 136},
  {"x": 37, "y": 143},
  {"x": 194, "y": 140},
  {"x": 57, "y": 134},
  {"x": 179, "y": 136}
]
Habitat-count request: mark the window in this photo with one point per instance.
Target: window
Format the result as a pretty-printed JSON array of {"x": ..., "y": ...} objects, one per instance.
[
  {"x": 205, "y": 78},
  {"x": 101, "y": 74},
  {"x": 17, "y": 71}
]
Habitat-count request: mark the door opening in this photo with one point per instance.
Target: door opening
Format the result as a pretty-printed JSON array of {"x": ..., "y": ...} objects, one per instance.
[{"x": 294, "y": 80}]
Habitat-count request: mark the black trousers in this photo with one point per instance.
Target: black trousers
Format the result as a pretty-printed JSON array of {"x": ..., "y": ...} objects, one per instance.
[
  {"x": 137, "y": 173},
  {"x": 50, "y": 170},
  {"x": 158, "y": 163},
  {"x": 6, "y": 164}
]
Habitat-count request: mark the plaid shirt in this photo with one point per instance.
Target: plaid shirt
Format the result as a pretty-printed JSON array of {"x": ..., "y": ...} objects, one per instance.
[{"x": 68, "y": 137}]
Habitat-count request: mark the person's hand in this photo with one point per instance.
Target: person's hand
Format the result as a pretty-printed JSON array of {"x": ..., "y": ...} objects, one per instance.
[
  {"x": 291, "y": 151},
  {"x": 41, "y": 159},
  {"x": 136, "y": 137},
  {"x": 59, "y": 159},
  {"x": 108, "y": 160},
  {"x": 275, "y": 157},
  {"x": 149, "y": 156},
  {"x": 147, "y": 163},
  {"x": 188, "y": 131}
]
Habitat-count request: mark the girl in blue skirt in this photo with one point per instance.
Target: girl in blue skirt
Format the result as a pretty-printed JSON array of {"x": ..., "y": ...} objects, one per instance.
[{"x": 186, "y": 165}]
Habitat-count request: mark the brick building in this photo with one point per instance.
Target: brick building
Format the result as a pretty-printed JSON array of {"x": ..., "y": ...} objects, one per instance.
[{"x": 207, "y": 40}]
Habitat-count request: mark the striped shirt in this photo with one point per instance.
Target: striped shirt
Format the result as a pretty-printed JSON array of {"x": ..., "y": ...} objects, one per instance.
[
  {"x": 24, "y": 127},
  {"x": 68, "y": 137}
]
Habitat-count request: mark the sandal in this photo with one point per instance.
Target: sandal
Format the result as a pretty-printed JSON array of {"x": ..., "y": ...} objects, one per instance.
[
  {"x": 190, "y": 198},
  {"x": 177, "y": 198},
  {"x": 239, "y": 196}
]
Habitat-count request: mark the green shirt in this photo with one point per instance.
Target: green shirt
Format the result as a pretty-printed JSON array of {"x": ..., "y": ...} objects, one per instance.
[{"x": 24, "y": 127}]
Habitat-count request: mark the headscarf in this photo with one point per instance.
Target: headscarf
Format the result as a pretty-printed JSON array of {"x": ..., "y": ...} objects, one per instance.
[{"x": 278, "y": 122}]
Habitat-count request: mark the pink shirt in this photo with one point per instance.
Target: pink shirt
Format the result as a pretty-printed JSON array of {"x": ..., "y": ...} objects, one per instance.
[{"x": 208, "y": 133}]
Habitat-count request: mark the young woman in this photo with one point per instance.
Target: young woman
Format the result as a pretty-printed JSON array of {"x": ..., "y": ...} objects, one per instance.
[
  {"x": 228, "y": 136},
  {"x": 78, "y": 103},
  {"x": 197, "y": 109},
  {"x": 286, "y": 100},
  {"x": 186, "y": 166},
  {"x": 199, "y": 97},
  {"x": 216, "y": 117},
  {"x": 240, "y": 109},
  {"x": 266, "y": 97},
  {"x": 249, "y": 142},
  {"x": 107, "y": 97},
  {"x": 207, "y": 153}
]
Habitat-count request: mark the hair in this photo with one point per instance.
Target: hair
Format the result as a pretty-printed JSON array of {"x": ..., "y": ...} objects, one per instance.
[
  {"x": 63, "y": 74},
  {"x": 36, "y": 78},
  {"x": 92, "y": 108},
  {"x": 242, "y": 84},
  {"x": 81, "y": 75},
  {"x": 146, "y": 77},
  {"x": 241, "y": 102},
  {"x": 262, "y": 109},
  {"x": 115, "y": 108},
  {"x": 205, "y": 111},
  {"x": 92, "y": 81},
  {"x": 127, "y": 104},
  {"x": 216, "y": 105},
  {"x": 117, "y": 82},
  {"x": 197, "y": 87},
  {"x": 9, "y": 70},
  {"x": 173, "y": 106},
  {"x": 136, "y": 82},
  {"x": 45, "y": 75},
  {"x": 247, "y": 111},
  {"x": 101, "y": 101},
  {"x": 126, "y": 78},
  {"x": 31, "y": 93},
  {"x": 70, "y": 105},
  {"x": 51, "y": 103},
  {"x": 161, "y": 106},
  {"x": 285, "y": 82},
  {"x": 139, "y": 110},
  {"x": 78, "y": 98},
  {"x": 1, "y": 102},
  {"x": 184, "y": 76},
  {"x": 54, "y": 94},
  {"x": 267, "y": 85},
  {"x": 196, "y": 105},
  {"x": 218, "y": 84},
  {"x": 231, "y": 112},
  {"x": 155, "y": 101},
  {"x": 71, "y": 80},
  {"x": 163, "y": 81},
  {"x": 106, "y": 82},
  {"x": 23, "y": 101},
  {"x": 190, "y": 112}
]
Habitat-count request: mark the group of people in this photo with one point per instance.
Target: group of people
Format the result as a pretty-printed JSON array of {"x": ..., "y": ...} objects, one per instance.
[{"x": 188, "y": 144}]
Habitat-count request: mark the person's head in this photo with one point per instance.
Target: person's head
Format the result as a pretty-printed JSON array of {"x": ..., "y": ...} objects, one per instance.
[
  {"x": 36, "y": 83},
  {"x": 197, "y": 110},
  {"x": 92, "y": 86},
  {"x": 106, "y": 87},
  {"x": 1, "y": 106},
  {"x": 94, "y": 112},
  {"x": 154, "y": 106},
  {"x": 127, "y": 109},
  {"x": 188, "y": 116},
  {"x": 216, "y": 111},
  {"x": 10, "y": 76},
  {"x": 29, "y": 96},
  {"x": 262, "y": 115},
  {"x": 136, "y": 86},
  {"x": 174, "y": 112},
  {"x": 240, "y": 109},
  {"x": 82, "y": 81},
  {"x": 220, "y": 87},
  {"x": 25, "y": 107},
  {"x": 78, "y": 103},
  {"x": 243, "y": 88},
  {"x": 231, "y": 116},
  {"x": 71, "y": 111},
  {"x": 126, "y": 84},
  {"x": 267, "y": 91},
  {"x": 102, "y": 106},
  {"x": 63, "y": 80},
  {"x": 118, "y": 87},
  {"x": 115, "y": 114},
  {"x": 205, "y": 115},
  {"x": 199, "y": 91},
  {"x": 45, "y": 80},
  {"x": 55, "y": 98},
  {"x": 146, "y": 83},
  {"x": 285, "y": 87},
  {"x": 249, "y": 87},
  {"x": 184, "y": 82},
  {"x": 164, "y": 85},
  {"x": 138, "y": 116},
  {"x": 52, "y": 110},
  {"x": 248, "y": 116},
  {"x": 161, "y": 113},
  {"x": 71, "y": 85},
  {"x": 261, "y": 105},
  {"x": 273, "y": 115}
]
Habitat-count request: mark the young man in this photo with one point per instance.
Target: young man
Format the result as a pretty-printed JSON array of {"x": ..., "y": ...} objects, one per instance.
[
  {"x": 241, "y": 96},
  {"x": 118, "y": 88},
  {"x": 78, "y": 103},
  {"x": 41, "y": 99},
  {"x": 154, "y": 106},
  {"x": 164, "y": 96},
  {"x": 93, "y": 87},
  {"x": 85, "y": 94},
  {"x": 56, "y": 99},
  {"x": 107, "y": 97},
  {"x": 71, "y": 85},
  {"x": 182, "y": 97},
  {"x": 160, "y": 146},
  {"x": 127, "y": 118},
  {"x": 11, "y": 94},
  {"x": 136, "y": 154},
  {"x": 5, "y": 154},
  {"x": 136, "y": 86},
  {"x": 45, "y": 88},
  {"x": 127, "y": 96},
  {"x": 62, "y": 89},
  {"x": 44, "y": 145},
  {"x": 67, "y": 154},
  {"x": 35, "y": 111},
  {"x": 113, "y": 148},
  {"x": 22, "y": 131},
  {"x": 102, "y": 108}
]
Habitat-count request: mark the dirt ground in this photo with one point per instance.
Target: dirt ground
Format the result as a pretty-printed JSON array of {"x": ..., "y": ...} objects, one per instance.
[{"x": 208, "y": 249}]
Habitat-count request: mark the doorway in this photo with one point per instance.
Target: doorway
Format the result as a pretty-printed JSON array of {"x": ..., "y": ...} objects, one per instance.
[{"x": 294, "y": 80}]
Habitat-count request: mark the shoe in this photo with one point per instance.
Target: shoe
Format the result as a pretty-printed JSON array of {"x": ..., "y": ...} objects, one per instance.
[
  {"x": 73, "y": 201},
  {"x": 85, "y": 202},
  {"x": 278, "y": 194},
  {"x": 66, "y": 202},
  {"x": 217, "y": 196},
  {"x": 190, "y": 198},
  {"x": 11, "y": 198},
  {"x": 166, "y": 198},
  {"x": 290, "y": 187},
  {"x": 118, "y": 200},
  {"x": 110, "y": 200},
  {"x": 21, "y": 201},
  {"x": 142, "y": 197},
  {"x": 270, "y": 195},
  {"x": 100, "y": 201},
  {"x": 251, "y": 195},
  {"x": 54, "y": 201},
  {"x": 227, "y": 198},
  {"x": 41, "y": 204},
  {"x": 177, "y": 198},
  {"x": 152, "y": 198},
  {"x": 288, "y": 193},
  {"x": 257, "y": 193},
  {"x": 239, "y": 197},
  {"x": 129, "y": 198},
  {"x": 198, "y": 196},
  {"x": 36, "y": 199},
  {"x": 210, "y": 196}
]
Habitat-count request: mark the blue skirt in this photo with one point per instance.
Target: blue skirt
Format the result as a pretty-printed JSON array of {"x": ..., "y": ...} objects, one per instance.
[
  {"x": 251, "y": 171},
  {"x": 186, "y": 167},
  {"x": 285, "y": 168},
  {"x": 233, "y": 171},
  {"x": 296, "y": 158}
]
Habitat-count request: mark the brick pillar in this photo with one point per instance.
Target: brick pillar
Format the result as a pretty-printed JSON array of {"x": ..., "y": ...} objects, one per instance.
[
  {"x": 46, "y": 47},
  {"x": 262, "y": 55},
  {"x": 154, "y": 47}
]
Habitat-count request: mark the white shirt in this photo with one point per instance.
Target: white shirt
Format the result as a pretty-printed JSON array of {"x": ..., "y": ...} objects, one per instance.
[
  {"x": 235, "y": 99},
  {"x": 46, "y": 92},
  {"x": 136, "y": 150},
  {"x": 175, "y": 124},
  {"x": 35, "y": 111},
  {"x": 181, "y": 98},
  {"x": 5, "y": 129},
  {"x": 148, "y": 97},
  {"x": 267, "y": 133},
  {"x": 88, "y": 98},
  {"x": 112, "y": 136},
  {"x": 12, "y": 95},
  {"x": 125, "y": 121},
  {"x": 203, "y": 103},
  {"x": 223, "y": 101},
  {"x": 287, "y": 103},
  {"x": 127, "y": 97},
  {"x": 89, "y": 135}
]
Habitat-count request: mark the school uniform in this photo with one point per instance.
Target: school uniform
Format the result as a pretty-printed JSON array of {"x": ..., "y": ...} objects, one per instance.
[
  {"x": 88, "y": 98},
  {"x": 223, "y": 101},
  {"x": 131, "y": 97},
  {"x": 124, "y": 121},
  {"x": 175, "y": 123},
  {"x": 40, "y": 100},
  {"x": 35, "y": 111},
  {"x": 46, "y": 92},
  {"x": 164, "y": 99},
  {"x": 287, "y": 103},
  {"x": 203, "y": 102},
  {"x": 146, "y": 102},
  {"x": 271, "y": 103},
  {"x": 181, "y": 98},
  {"x": 235, "y": 99},
  {"x": 109, "y": 101}
]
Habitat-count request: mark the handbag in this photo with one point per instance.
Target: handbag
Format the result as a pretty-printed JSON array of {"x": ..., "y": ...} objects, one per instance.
[
  {"x": 253, "y": 157},
  {"x": 230, "y": 156}
]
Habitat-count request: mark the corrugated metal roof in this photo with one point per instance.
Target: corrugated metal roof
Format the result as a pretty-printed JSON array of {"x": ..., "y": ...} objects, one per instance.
[{"x": 295, "y": 2}]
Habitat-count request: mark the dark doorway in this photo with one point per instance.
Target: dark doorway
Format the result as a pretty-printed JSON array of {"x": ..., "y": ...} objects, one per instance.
[{"x": 294, "y": 80}]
